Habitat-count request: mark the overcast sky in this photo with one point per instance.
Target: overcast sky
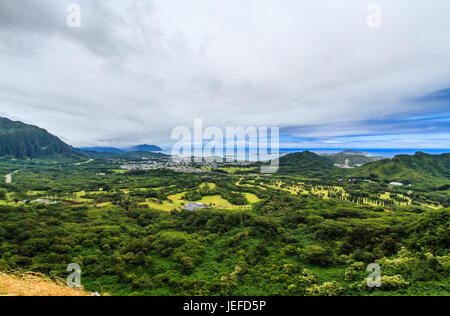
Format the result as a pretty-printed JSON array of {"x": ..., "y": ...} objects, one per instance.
[{"x": 137, "y": 69}]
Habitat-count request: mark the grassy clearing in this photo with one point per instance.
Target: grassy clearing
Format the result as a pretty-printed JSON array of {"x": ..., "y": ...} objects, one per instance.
[
  {"x": 119, "y": 170},
  {"x": 83, "y": 162},
  {"x": 215, "y": 201},
  {"x": 35, "y": 193},
  {"x": 234, "y": 170},
  {"x": 165, "y": 206},
  {"x": 10, "y": 203},
  {"x": 251, "y": 198},
  {"x": 106, "y": 204},
  {"x": 172, "y": 202},
  {"x": 210, "y": 186}
]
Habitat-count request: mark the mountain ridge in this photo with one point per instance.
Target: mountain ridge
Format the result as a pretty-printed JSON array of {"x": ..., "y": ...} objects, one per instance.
[
  {"x": 20, "y": 140},
  {"x": 417, "y": 168},
  {"x": 115, "y": 150}
]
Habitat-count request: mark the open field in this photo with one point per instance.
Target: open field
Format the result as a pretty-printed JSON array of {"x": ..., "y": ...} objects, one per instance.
[
  {"x": 234, "y": 170},
  {"x": 215, "y": 201}
]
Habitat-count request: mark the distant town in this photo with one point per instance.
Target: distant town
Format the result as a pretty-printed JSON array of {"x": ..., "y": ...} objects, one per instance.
[{"x": 186, "y": 165}]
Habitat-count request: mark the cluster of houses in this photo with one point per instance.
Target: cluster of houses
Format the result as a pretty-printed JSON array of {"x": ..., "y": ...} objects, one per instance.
[{"x": 195, "y": 206}]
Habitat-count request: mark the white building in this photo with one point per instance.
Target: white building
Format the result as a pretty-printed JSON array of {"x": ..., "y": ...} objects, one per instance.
[
  {"x": 396, "y": 184},
  {"x": 195, "y": 206},
  {"x": 9, "y": 178}
]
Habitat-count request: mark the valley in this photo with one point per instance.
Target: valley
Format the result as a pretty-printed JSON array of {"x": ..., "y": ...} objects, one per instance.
[
  {"x": 139, "y": 223},
  {"x": 224, "y": 156},
  {"x": 257, "y": 235}
]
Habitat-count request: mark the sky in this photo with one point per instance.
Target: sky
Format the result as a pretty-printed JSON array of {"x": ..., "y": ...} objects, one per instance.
[{"x": 135, "y": 70}]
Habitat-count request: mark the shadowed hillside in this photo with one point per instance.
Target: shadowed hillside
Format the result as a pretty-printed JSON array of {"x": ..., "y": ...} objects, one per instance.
[{"x": 20, "y": 140}]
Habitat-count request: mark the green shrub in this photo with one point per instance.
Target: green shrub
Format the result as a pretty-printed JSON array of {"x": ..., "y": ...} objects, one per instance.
[
  {"x": 325, "y": 289},
  {"x": 316, "y": 254}
]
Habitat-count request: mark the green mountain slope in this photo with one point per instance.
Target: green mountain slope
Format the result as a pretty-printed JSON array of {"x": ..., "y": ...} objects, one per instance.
[
  {"x": 307, "y": 164},
  {"x": 352, "y": 158},
  {"x": 419, "y": 168},
  {"x": 20, "y": 140},
  {"x": 407, "y": 169}
]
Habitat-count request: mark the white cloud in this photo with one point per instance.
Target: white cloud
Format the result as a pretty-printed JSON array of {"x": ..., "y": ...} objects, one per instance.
[{"x": 135, "y": 70}]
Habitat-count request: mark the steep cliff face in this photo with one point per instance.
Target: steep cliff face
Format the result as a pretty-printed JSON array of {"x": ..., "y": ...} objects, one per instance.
[{"x": 20, "y": 140}]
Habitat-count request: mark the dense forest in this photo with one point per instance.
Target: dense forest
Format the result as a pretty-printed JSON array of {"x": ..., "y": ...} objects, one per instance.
[
  {"x": 310, "y": 229},
  {"x": 420, "y": 167},
  {"x": 261, "y": 235}
]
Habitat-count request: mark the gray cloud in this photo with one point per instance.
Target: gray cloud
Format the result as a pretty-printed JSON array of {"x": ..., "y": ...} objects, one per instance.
[
  {"x": 137, "y": 69},
  {"x": 33, "y": 22}
]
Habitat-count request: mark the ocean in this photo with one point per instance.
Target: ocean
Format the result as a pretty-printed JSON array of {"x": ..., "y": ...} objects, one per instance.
[{"x": 244, "y": 154}]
